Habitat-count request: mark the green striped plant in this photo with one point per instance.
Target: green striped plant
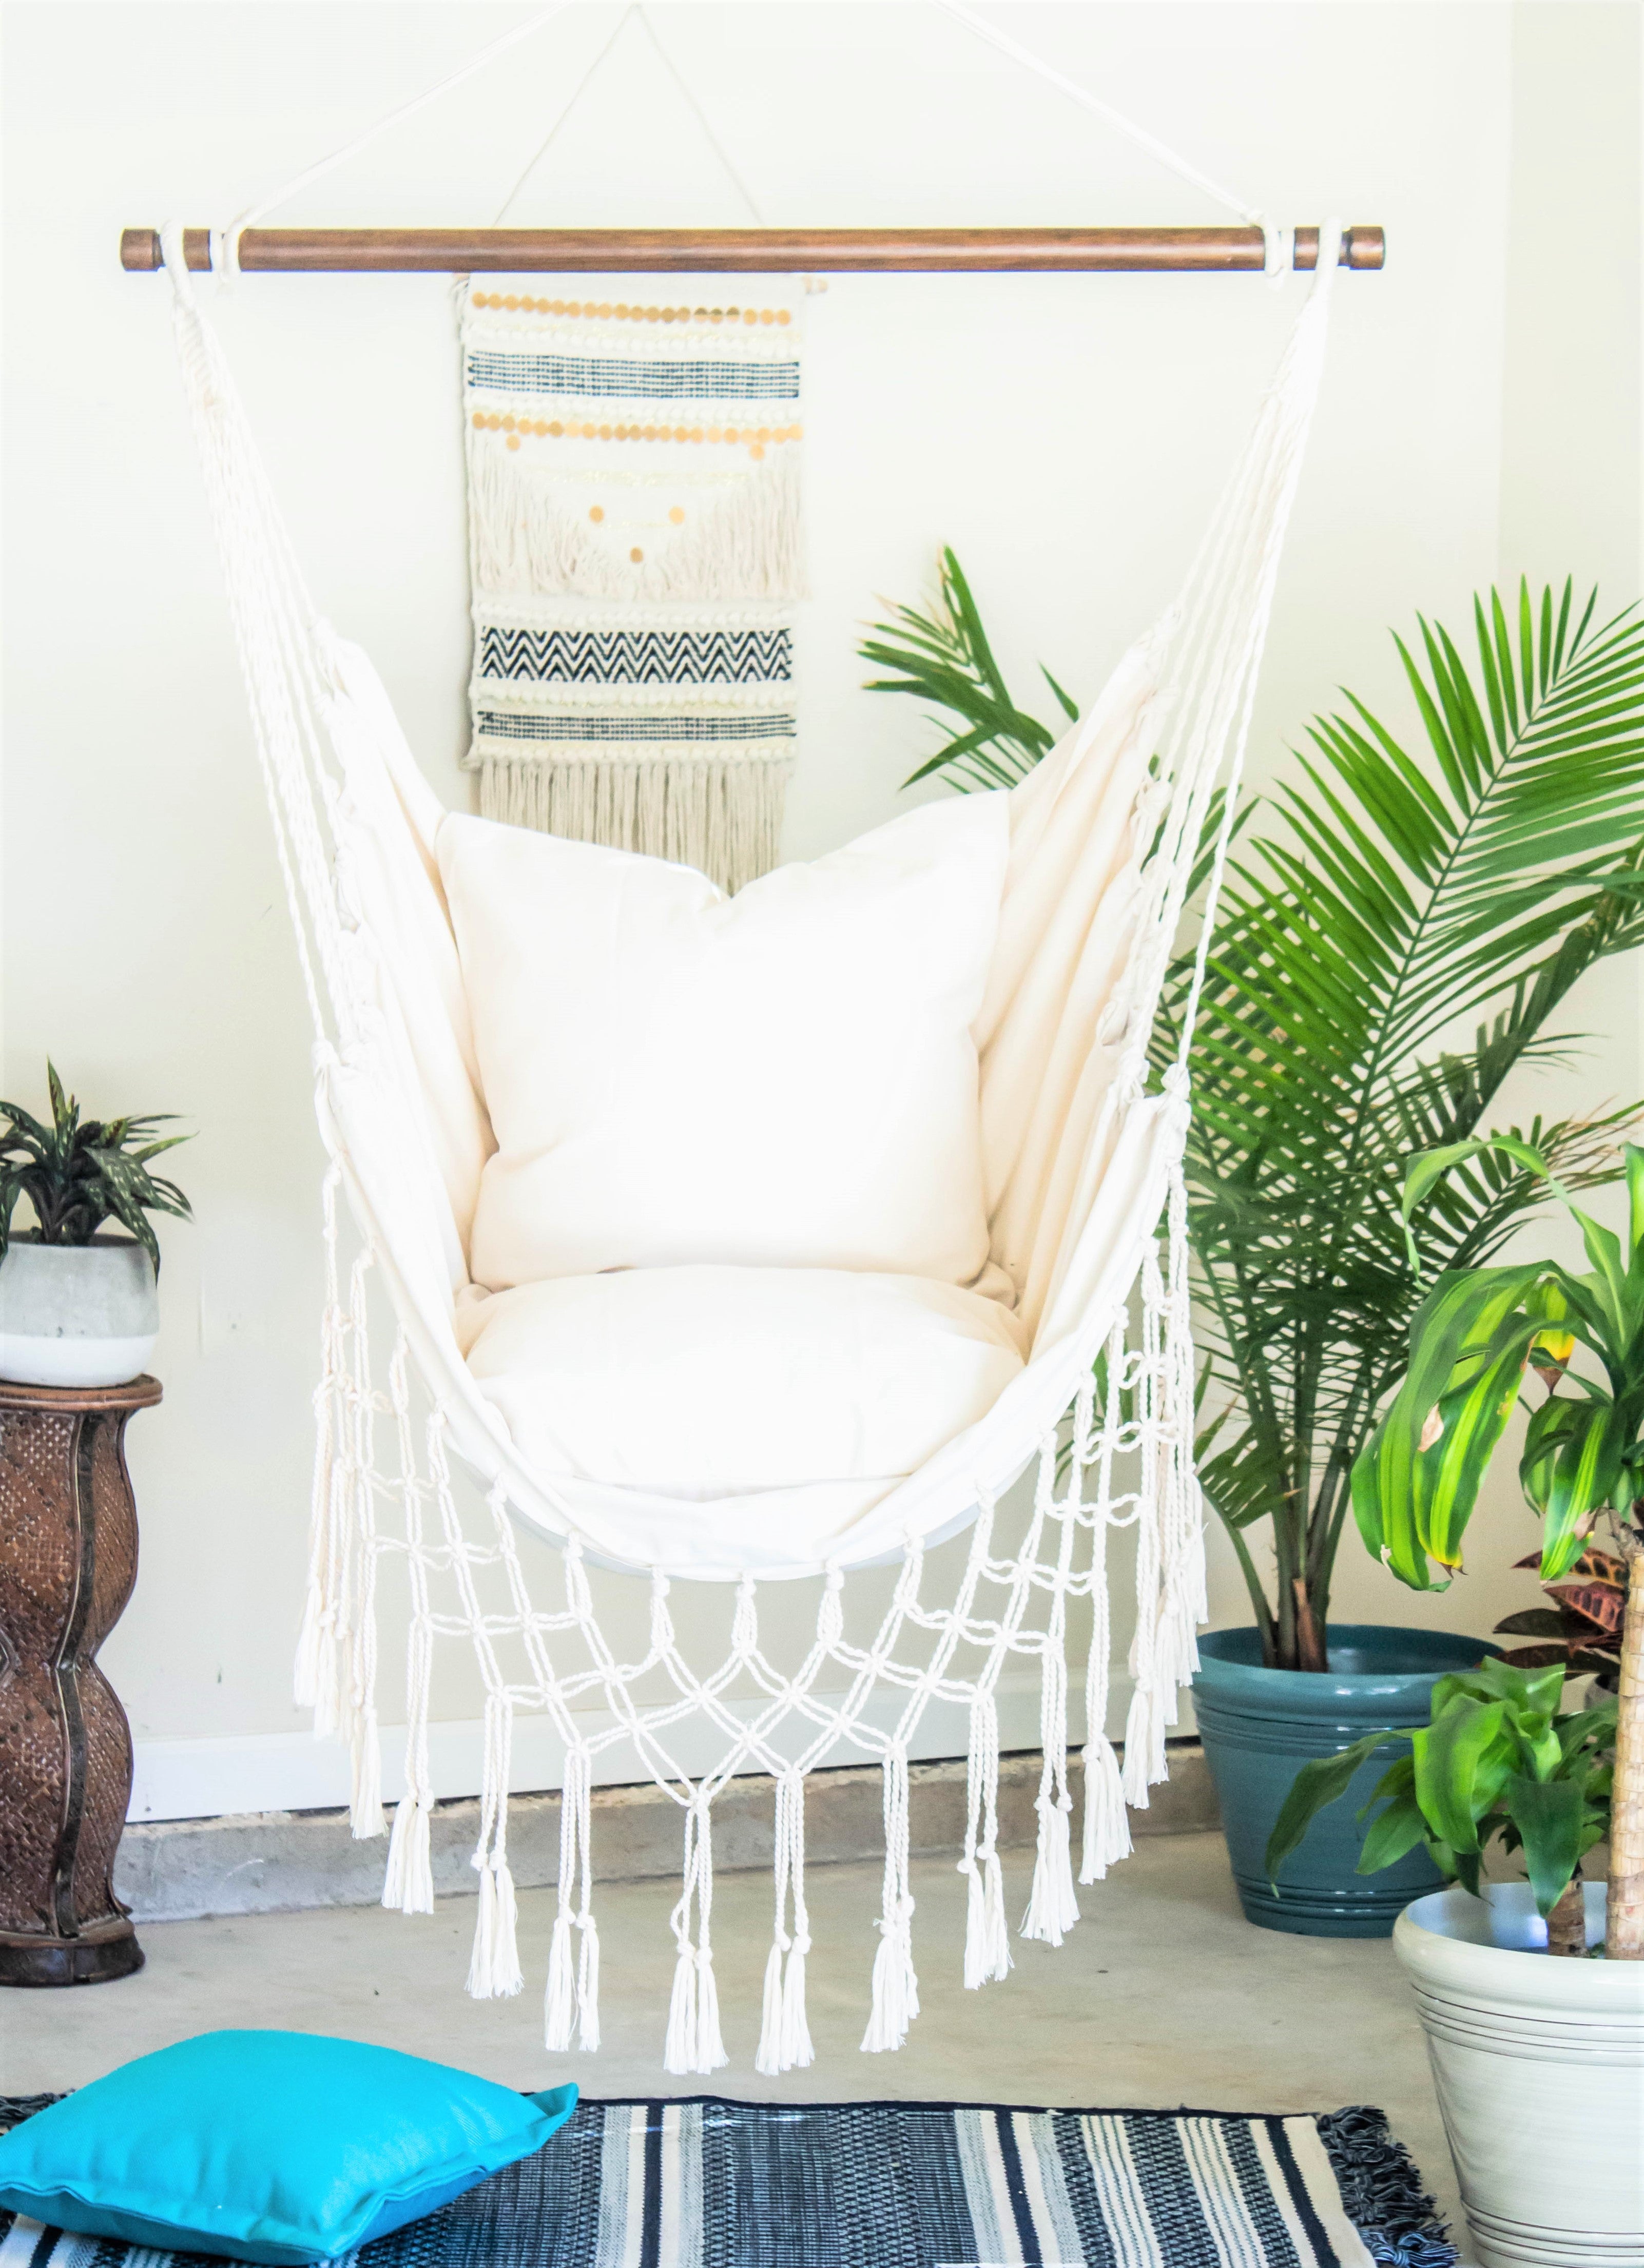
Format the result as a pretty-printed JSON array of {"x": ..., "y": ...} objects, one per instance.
[
  {"x": 1474, "y": 1342},
  {"x": 1398, "y": 935}
]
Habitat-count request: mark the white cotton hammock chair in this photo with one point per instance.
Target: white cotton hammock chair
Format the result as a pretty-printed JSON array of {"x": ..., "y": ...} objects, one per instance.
[{"x": 1088, "y": 1217}]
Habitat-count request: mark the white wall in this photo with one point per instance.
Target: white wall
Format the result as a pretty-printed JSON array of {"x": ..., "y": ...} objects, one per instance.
[{"x": 1066, "y": 435}]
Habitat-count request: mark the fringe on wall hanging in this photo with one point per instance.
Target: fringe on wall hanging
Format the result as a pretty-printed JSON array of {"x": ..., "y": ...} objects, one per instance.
[{"x": 634, "y": 558}]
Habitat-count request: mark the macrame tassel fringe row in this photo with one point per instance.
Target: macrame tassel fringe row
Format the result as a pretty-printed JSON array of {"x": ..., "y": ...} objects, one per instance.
[{"x": 722, "y": 816}]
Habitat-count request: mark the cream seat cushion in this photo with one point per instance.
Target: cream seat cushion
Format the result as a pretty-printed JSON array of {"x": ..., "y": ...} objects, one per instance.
[
  {"x": 786, "y": 1079},
  {"x": 704, "y": 1383}
]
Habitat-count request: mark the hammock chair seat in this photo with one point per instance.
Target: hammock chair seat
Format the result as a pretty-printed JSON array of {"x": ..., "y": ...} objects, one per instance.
[
  {"x": 666, "y": 1392},
  {"x": 774, "y": 1229}
]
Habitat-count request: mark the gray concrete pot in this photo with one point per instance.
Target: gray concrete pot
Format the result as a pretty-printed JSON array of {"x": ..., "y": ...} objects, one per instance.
[
  {"x": 76, "y": 1314},
  {"x": 1539, "y": 2069}
]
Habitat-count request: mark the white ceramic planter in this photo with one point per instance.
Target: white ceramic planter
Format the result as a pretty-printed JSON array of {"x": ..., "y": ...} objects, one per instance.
[
  {"x": 76, "y": 1314},
  {"x": 1539, "y": 2068}
]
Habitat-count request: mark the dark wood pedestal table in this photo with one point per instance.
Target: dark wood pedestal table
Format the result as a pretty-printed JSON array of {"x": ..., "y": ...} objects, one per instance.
[{"x": 68, "y": 1561}]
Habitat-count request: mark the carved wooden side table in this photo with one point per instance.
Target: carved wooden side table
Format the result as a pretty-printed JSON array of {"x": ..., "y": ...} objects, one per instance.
[{"x": 68, "y": 1561}]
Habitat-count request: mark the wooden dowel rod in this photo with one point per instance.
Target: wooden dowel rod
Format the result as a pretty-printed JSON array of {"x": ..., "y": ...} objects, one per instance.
[{"x": 756, "y": 251}]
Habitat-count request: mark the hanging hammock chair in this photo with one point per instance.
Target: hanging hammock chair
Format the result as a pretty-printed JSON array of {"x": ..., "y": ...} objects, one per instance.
[{"x": 674, "y": 1404}]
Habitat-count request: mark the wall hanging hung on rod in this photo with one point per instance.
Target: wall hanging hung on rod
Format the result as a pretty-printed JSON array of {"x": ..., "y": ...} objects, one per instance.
[{"x": 756, "y": 251}]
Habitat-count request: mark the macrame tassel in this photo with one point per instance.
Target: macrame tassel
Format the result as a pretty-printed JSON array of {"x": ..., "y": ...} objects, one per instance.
[
  {"x": 896, "y": 1986},
  {"x": 408, "y": 1884},
  {"x": 678, "y": 2048},
  {"x": 1144, "y": 1746},
  {"x": 797, "y": 2050},
  {"x": 588, "y": 1986},
  {"x": 1106, "y": 1826},
  {"x": 311, "y": 1671},
  {"x": 987, "y": 1940},
  {"x": 693, "y": 2042},
  {"x": 896, "y": 2001},
  {"x": 768, "y": 2056},
  {"x": 494, "y": 1972},
  {"x": 365, "y": 1815},
  {"x": 559, "y": 2003},
  {"x": 1052, "y": 1907},
  {"x": 711, "y": 2055},
  {"x": 785, "y": 2040}
]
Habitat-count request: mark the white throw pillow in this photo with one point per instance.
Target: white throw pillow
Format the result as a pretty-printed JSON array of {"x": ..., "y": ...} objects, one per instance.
[
  {"x": 709, "y": 1382},
  {"x": 786, "y": 1079}
]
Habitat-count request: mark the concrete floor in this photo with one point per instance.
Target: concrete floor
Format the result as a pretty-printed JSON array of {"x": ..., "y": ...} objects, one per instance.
[{"x": 1163, "y": 1995}]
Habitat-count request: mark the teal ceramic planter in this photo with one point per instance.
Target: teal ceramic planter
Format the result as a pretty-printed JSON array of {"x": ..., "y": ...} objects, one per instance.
[{"x": 1259, "y": 1726}]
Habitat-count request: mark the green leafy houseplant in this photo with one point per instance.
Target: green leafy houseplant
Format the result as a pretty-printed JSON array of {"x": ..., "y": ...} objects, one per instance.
[
  {"x": 1390, "y": 899},
  {"x": 77, "y": 1173},
  {"x": 1498, "y": 1764},
  {"x": 1473, "y": 1340}
]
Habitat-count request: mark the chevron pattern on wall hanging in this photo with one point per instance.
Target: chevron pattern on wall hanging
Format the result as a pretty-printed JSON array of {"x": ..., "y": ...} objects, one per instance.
[{"x": 635, "y": 555}]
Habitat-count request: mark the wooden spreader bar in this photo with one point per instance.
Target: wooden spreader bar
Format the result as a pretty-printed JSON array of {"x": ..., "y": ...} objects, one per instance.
[{"x": 756, "y": 251}]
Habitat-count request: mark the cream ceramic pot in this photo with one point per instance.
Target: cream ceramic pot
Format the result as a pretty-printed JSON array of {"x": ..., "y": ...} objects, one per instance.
[
  {"x": 1539, "y": 2068},
  {"x": 76, "y": 1314}
]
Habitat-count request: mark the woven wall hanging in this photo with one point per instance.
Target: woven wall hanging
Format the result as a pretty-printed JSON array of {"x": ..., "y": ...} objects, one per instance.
[{"x": 634, "y": 558}]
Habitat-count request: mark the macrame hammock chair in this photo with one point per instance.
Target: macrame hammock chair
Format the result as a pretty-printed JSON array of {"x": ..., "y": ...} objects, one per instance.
[{"x": 1083, "y": 1145}]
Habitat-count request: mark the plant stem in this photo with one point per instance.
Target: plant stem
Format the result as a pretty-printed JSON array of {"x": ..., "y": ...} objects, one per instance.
[
  {"x": 1624, "y": 1933},
  {"x": 1567, "y": 1924},
  {"x": 1309, "y": 1636}
]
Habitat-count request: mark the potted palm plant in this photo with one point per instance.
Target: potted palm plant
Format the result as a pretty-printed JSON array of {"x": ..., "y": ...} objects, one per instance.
[
  {"x": 1392, "y": 895},
  {"x": 1548, "y": 2172},
  {"x": 79, "y": 1307}
]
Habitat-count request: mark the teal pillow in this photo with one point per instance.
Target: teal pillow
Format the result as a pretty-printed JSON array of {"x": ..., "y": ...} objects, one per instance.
[{"x": 275, "y": 2146}]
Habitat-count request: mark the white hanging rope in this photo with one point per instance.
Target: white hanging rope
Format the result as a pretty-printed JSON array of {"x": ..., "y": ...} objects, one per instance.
[
  {"x": 578, "y": 91},
  {"x": 225, "y": 242},
  {"x": 714, "y": 141},
  {"x": 1278, "y": 254}
]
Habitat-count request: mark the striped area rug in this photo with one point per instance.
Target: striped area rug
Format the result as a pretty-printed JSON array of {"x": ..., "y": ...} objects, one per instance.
[{"x": 709, "y": 2183}]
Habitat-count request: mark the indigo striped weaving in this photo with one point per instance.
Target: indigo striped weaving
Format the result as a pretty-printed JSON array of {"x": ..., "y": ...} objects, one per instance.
[{"x": 709, "y": 2183}]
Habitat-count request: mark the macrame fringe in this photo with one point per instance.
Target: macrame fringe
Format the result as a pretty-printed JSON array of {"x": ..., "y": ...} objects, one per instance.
[
  {"x": 742, "y": 542},
  {"x": 720, "y": 814},
  {"x": 365, "y": 1814},
  {"x": 572, "y": 2000},
  {"x": 559, "y": 2005},
  {"x": 1107, "y": 1823},
  {"x": 796, "y": 2050},
  {"x": 784, "y": 2039},
  {"x": 987, "y": 1938},
  {"x": 408, "y": 1883},
  {"x": 494, "y": 1971},
  {"x": 1146, "y": 1764},
  {"x": 1052, "y": 1907},
  {"x": 895, "y": 1999},
  {"x": 693, "y": 2042}
]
